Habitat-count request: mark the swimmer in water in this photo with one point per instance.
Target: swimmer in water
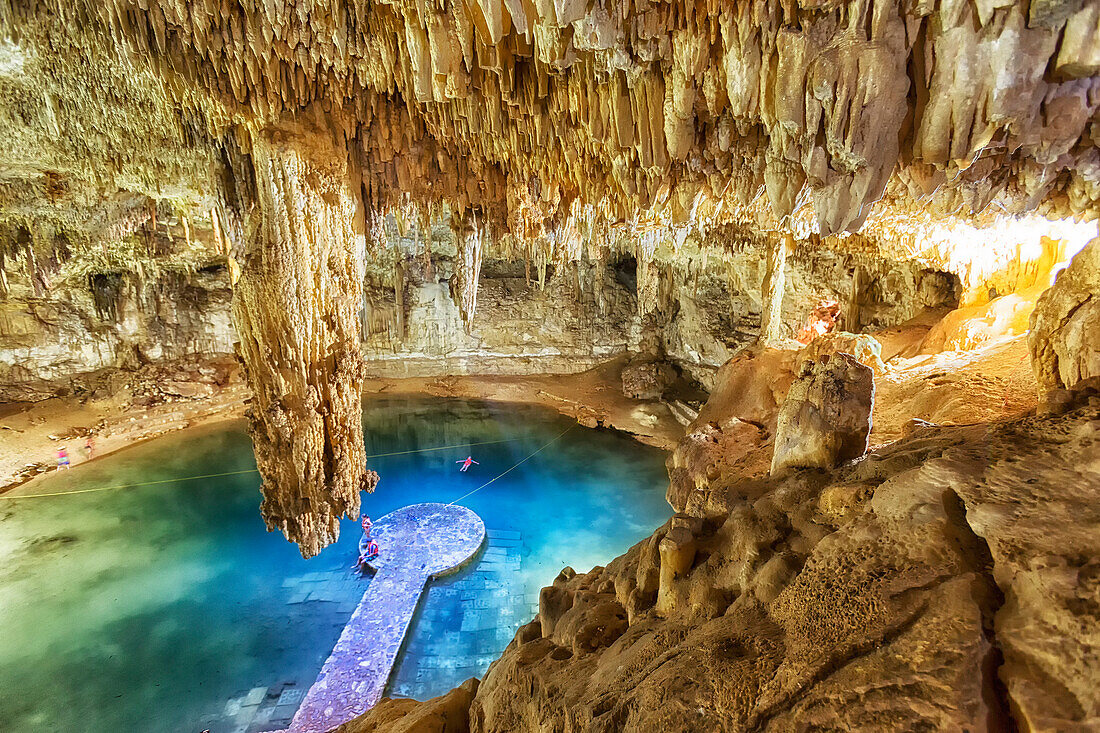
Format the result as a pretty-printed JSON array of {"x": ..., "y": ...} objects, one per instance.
[{"x": 466, "y": 463}]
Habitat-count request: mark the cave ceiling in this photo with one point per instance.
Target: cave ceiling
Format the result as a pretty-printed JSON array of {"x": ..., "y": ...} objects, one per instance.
[{"x": 822, "y": 117}]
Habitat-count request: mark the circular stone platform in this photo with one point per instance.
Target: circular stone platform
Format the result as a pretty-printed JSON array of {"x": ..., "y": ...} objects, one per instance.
[{"x": 434, "y": 538}]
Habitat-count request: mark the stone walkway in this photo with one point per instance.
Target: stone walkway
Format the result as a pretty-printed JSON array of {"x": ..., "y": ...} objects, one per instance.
[{"x": 416, "y": 543}]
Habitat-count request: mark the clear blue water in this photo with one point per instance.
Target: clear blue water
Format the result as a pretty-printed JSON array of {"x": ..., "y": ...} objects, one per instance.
[{"x": 168, "y": 607}]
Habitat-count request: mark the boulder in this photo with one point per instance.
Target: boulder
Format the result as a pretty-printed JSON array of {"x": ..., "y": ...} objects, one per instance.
[
  {"x": 648, "y": 380},
  {"x": 1065, "y": 326},
  {"x": 826, "y": 417},
  {"x": 864, "y": 347}
]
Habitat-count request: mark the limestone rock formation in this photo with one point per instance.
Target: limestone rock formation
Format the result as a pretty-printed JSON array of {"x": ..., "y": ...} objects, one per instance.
[
  {"x": 826, "y": 416},
  {"x": 865, "y": 348},
  {"x": 552, "y": 134},
  {"x": 1065, "y": 326},
  {"x": 296, "y": 310},
  {"x": 946, "y": 582},
  {"x": 709, "y": 451}
]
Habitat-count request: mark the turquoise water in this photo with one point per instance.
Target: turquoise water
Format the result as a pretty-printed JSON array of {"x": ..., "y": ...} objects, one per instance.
[{"x": 168, "y": 607}]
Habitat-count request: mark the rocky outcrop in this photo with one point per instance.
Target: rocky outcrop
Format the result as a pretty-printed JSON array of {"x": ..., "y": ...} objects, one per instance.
[
  {"x": 944, "y": 582},
  {"x": 826, "y": 416},
  {"x": 296, "y": 311},
  {"x": 1065, "y": 326}
]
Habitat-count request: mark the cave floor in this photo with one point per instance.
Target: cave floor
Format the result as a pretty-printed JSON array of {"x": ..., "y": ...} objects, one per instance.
[{"x": 33, "y": 432}]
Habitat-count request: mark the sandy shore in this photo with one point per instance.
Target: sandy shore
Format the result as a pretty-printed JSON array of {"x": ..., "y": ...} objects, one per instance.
[{"x": 32, "y": 433}]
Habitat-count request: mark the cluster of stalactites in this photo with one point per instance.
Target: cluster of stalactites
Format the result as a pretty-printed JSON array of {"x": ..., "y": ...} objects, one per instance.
[{"x": 662, "y": 110}]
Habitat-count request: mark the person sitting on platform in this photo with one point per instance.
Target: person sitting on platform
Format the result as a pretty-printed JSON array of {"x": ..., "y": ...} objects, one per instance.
[{"x": 369, "y": 553}]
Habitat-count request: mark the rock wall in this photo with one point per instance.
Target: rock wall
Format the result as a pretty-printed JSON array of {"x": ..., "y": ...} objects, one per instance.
[
  {"x": 580, "y": 317},
  {"x": 1065, "y": 326},
  {"x": 697, "y": 302},
  {"x": 54, "y": 342},
  {"x": 706, "y": 307}
]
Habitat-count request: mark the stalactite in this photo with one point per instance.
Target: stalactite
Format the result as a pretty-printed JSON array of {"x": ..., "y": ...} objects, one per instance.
[
  {"x": 296, "y": 312},
  {"x": 469, "y": 238},
  {"x": 649, "y": 277},
  {"x": 851, "y": 320}
]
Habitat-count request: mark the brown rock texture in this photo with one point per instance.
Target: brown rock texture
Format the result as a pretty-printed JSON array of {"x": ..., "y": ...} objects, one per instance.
[
  {"x": 1065, "y": 325},
  {"x": 296, "y": 311},
  {"x": 826, "y": 417},
  {"x": 447, "y": 713},
  {"x": 945, "y": 582},
  {"x": 551, "y": 119}
]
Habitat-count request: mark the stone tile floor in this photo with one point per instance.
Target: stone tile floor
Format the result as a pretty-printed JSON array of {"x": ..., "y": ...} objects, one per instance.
[{"x": 327, "y": 598}]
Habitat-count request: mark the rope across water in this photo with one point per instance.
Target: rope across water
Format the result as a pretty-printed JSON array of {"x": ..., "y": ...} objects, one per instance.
[
  {"x": 238, "y": 473},
  {"x": 517, "y": 465},
  {"x": 9, "y": 497}
]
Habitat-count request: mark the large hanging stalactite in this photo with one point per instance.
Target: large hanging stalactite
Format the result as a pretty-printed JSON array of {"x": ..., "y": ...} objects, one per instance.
[{"x": 296, "y": 312}]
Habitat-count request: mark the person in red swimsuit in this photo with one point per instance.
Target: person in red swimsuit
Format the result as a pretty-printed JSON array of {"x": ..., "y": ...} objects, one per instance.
[
  {"x": 369, "y": 553},
  {"x": 466, "y": 463}
]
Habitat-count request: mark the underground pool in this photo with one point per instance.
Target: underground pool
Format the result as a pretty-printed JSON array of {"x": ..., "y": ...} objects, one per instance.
[{"x": 167, "y": 606}]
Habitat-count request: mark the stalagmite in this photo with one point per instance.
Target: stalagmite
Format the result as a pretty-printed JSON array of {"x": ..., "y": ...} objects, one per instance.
[
  {"x": 296, "y": 312},
  {"x": 1065, "y": 325},
  {"x": 775, "y": 281}
]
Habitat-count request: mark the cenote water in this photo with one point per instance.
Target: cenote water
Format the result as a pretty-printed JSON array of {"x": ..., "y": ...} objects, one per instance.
[{"x": 168, "y": 607}]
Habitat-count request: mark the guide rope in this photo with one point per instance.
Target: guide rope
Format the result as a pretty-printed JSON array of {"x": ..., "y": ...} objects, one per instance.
[
  {"x": 517, "y": 465},
  {"x": 253, "y": 470}
]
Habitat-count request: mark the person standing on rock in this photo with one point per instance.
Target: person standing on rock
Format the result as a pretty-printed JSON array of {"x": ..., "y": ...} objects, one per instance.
[
  {"x": 467, "y": 463},
  {"x": 62, "y": 457}
]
